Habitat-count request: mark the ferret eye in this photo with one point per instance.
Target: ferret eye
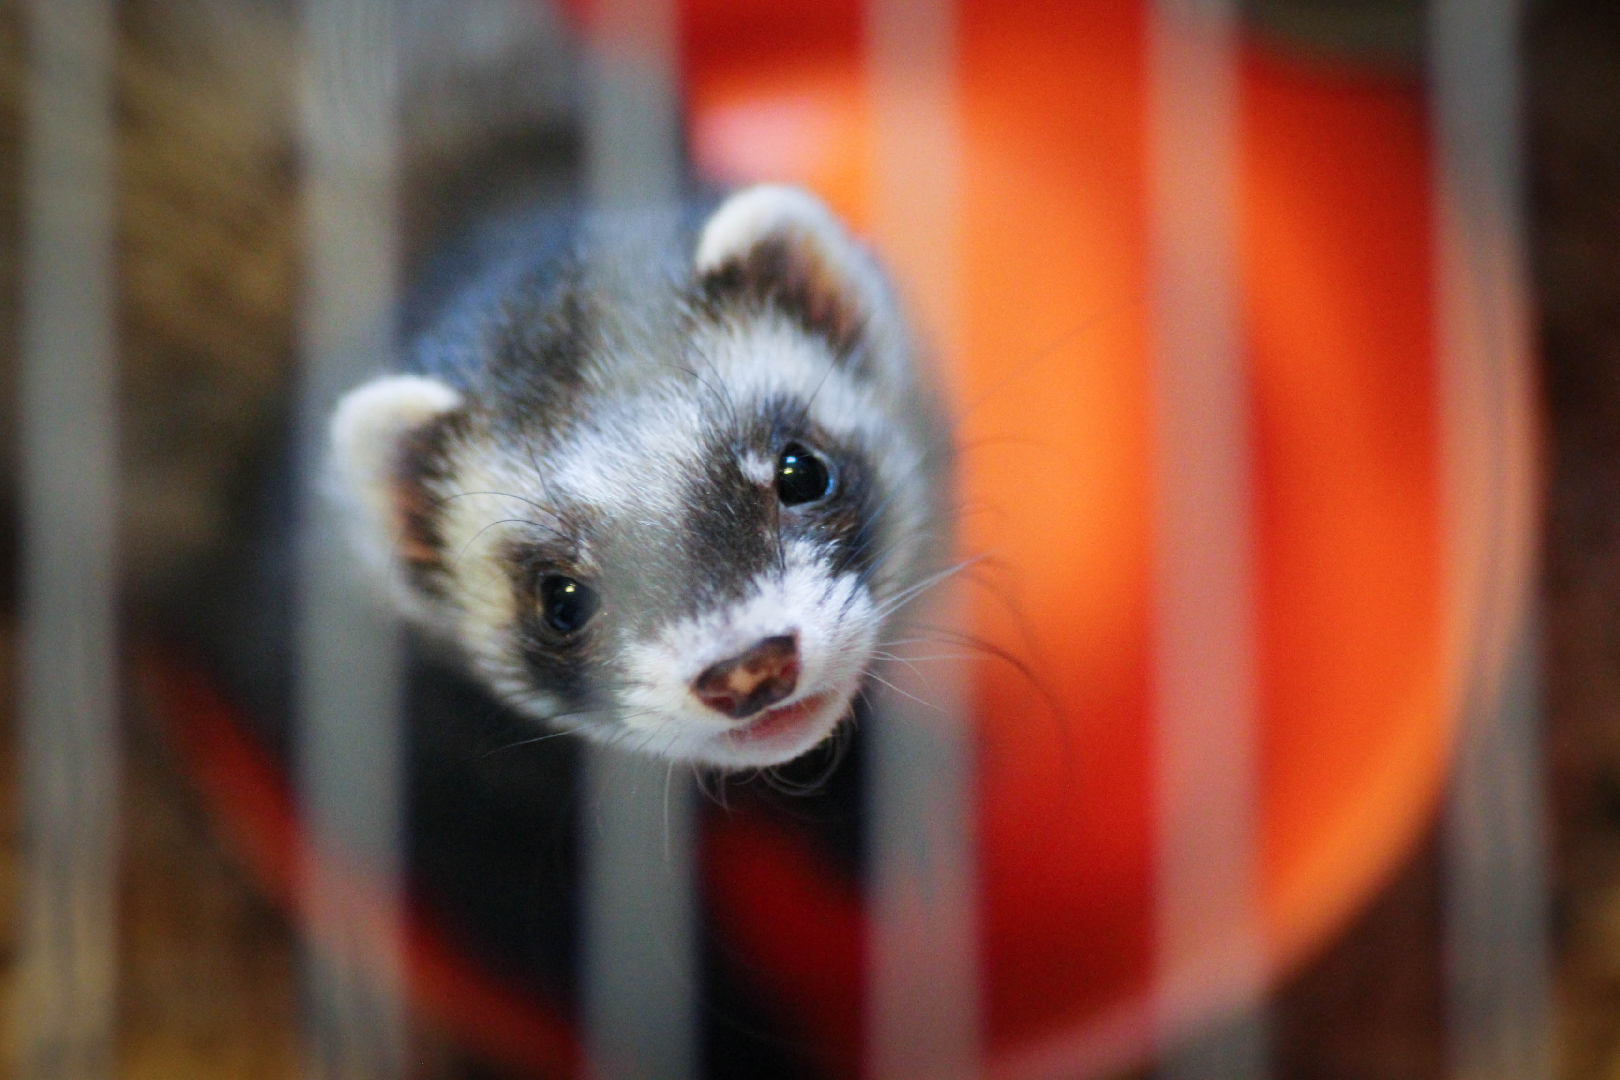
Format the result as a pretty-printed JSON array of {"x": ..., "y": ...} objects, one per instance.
[
  {"x": 567, "y": 604},
  {"x": 801, "y": 476}
]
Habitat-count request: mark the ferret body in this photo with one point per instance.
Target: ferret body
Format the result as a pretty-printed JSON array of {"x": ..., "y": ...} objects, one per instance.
[{"x": 663, "y": 483}]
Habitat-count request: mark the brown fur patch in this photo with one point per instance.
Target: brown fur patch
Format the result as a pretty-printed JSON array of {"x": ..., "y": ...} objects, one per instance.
[
  {"x": 792, "y": 277},
  {"x": 420, "y": 475}
]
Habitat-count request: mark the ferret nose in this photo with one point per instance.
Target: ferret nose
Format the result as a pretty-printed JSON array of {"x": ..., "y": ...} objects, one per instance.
[{"x": 755, "y": 680}]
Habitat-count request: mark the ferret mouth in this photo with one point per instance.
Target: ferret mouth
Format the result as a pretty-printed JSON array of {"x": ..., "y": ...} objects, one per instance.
[{"x": 782, "y": 726}]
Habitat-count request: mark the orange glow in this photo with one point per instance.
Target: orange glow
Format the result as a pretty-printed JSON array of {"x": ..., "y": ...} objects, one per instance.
[{"x": 1054, "y": 403}]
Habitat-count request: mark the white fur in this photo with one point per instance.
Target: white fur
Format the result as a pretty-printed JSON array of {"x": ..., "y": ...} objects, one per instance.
[
  {"x": 758, "y": 468},
  {"x": 632, "y": 455},
  {"x": 833, "y": 620},
  {"x": 764, "y": 360},
  {"x": 494, "y": 501},
  {"x": 757, "y": 213},
  {"x": 365, "y": 436}
]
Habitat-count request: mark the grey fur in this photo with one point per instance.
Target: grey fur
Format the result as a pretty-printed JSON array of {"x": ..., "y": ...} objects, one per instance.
[{"x": 575, "y": 339}]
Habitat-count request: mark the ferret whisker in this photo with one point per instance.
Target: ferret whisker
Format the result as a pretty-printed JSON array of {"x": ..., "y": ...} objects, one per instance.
[
  {"x": 529, "y": 443},
  {"x": 877, "y": 566},
  {"x": 669, "y": 775},
  {"x": 912, "y": 661},
  {"x": 904, "y": 693},
  {"x": 893, "y": 658},
  {"x": 869, "y": 572},
  {"x": 896, "y": 642},
  {"x": 525, "y": 742},
  {"x": 804, "y": 412},
  {"x": 474, "y": 538},
  {"x": 907, "y": 595},
  {"x": 1001, "y": 593},
  {"x": 646, "y": 741},
  {"x": 1042, "y": 355},
  {"x": 1054, "y": 706},
  {"x": 870, "y": 534},
  {"x": 445, "y": 500},
  {"x": 836, "y": 751},
  {"x": 552, "y": 529},
  {"x": 619, "y": 682},
  {"x": 980, "y": 443},
  {"x": 715, "y": 795},
  {"x": 621, "y": 717},
  {"x": 725, "y": 396},
  {"x": 723, "y": 399},
  {"x": 864, "y": 694}
]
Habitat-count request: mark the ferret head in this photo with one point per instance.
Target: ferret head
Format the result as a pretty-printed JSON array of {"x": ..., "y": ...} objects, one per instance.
[{"x": 672, "y": 503}]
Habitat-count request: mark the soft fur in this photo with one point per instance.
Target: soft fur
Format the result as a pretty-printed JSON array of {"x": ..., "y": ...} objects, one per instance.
[{"x": 595, "y": 409}]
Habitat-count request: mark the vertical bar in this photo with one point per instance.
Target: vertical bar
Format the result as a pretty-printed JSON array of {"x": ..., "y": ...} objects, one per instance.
[
  {"x": 65, "y": 997},
  {"x": 640, "y": 956},
  {"x": 633, "y": 154},
  {"x": 1496, "y": 946},
  {"x": 922, "y": 1006},
  {"x": 349, "y": 748},
  {"x": 641, "y": 965},
  {"x": 917, "y": 157},
  {"x": 1208, "y": 924}
]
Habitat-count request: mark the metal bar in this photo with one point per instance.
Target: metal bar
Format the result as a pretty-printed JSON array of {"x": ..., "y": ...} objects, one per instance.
[
  {"x": 640, "y": 967},
  {"x": 911, "y": 71},
  {"x": 633, "y": 141},
  {"x": 65, "y": 997},
  {"x": 349, "y": 766},
  {"x": 640, "y": 911},
  {"x": 1210, "y": 938},
  {"x": 922, "y": 1007},
  {"x": 1496, "y": 948}
]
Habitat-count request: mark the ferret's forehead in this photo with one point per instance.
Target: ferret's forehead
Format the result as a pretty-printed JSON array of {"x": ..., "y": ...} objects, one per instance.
[
  {"x": 761, "y": 362},
  {"x": 637, "y": 452},
  {"x": 632, "y": 457}
]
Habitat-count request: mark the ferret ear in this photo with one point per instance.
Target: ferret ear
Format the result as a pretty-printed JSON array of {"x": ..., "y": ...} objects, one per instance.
[
  {"x": 388, "y": 449},
  {"x": 779, "y": 246}
]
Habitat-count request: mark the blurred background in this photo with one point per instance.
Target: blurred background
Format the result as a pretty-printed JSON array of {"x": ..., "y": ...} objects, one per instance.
[{"x": 1044, "y": 178}]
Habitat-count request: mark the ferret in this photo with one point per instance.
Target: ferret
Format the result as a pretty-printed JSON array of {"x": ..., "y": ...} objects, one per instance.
[
  {"x": 667, "y": 484},
  {"x": 713, "y": 452}
]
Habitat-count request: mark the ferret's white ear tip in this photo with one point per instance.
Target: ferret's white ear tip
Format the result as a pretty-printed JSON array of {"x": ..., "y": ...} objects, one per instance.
[
  {"x": 371, "y": 418},
  {"x": 368, "y": 436},
  {"x": 757, "y": 213}
]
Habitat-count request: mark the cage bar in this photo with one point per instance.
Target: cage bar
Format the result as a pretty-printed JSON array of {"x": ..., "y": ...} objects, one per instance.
[
  {"x": 349, "y": 738},
  {"x": 640, "y": 967},
  {"x": 64, "y": 1019},
  {"x": 922, "y": 983},
  {"x": 1209, "y": 935},
  {"x": 1495, "y": 931}
]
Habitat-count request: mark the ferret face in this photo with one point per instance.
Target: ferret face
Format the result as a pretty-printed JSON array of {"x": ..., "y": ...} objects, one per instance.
[{"x": 689, "y": 540}]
